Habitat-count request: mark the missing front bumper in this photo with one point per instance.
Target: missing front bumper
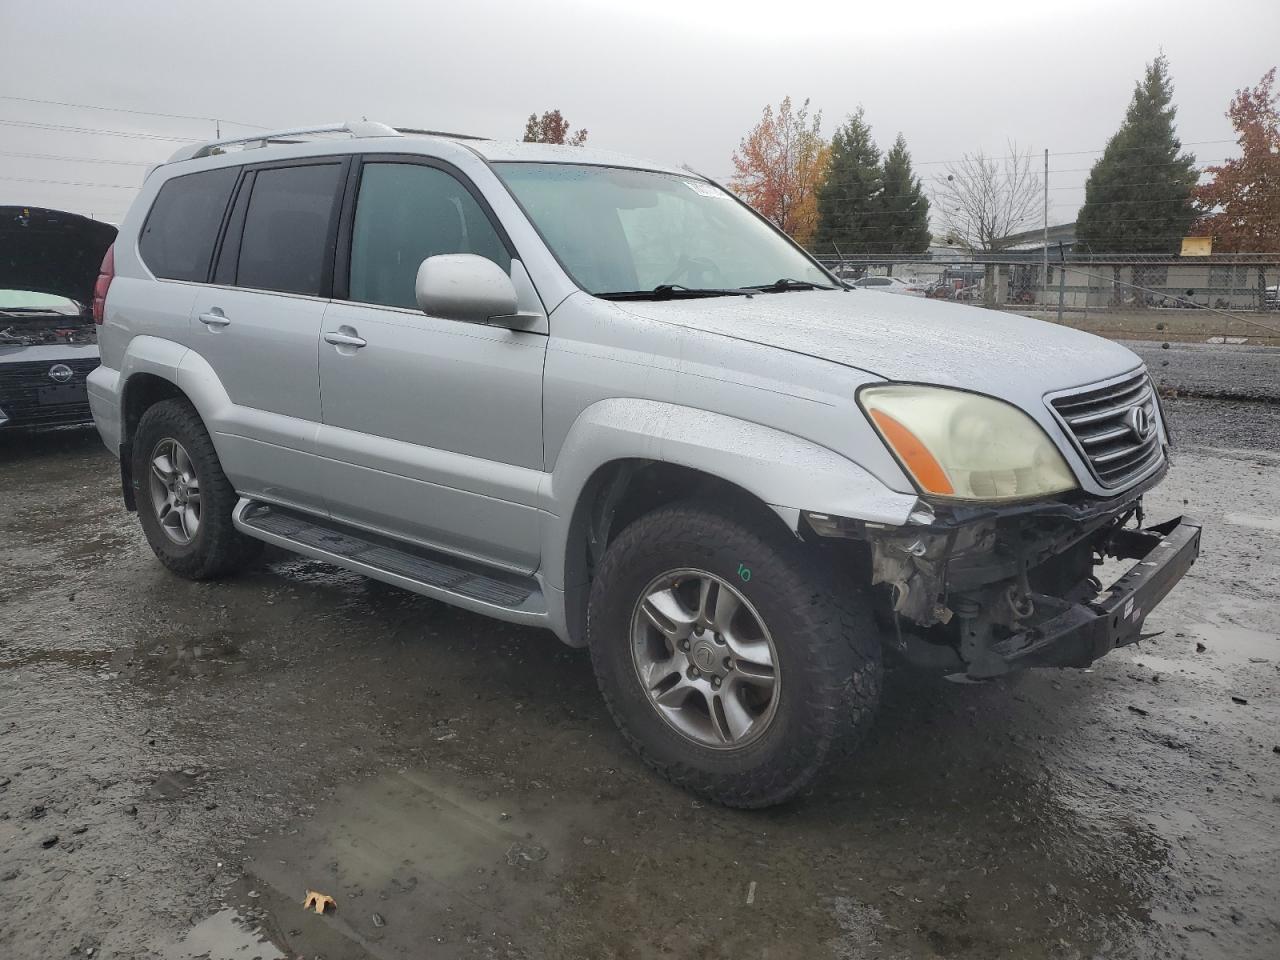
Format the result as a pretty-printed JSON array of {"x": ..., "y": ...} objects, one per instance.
[{"x": 1082, "y": 632}]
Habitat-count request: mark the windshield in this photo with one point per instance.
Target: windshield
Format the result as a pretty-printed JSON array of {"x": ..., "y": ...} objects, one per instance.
[
  {"x": 28, "y": 301},
  {"x": 619, "y": 230}
]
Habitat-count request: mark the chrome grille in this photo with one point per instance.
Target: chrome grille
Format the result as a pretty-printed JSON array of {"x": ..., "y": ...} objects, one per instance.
[
  {"x": 20, "y": 385},
  {"x": 1106, "y": 424}
]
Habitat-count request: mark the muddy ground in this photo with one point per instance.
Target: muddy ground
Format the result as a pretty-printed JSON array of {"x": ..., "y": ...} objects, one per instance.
[{"x": 180, "y": 763}]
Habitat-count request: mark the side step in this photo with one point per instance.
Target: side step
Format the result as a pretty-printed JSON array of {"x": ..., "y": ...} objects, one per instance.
[{"x": 464, "y": 583}]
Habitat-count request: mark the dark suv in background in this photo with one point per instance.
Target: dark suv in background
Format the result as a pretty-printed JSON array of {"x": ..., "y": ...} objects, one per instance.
[{"x": 49, "y": 262}]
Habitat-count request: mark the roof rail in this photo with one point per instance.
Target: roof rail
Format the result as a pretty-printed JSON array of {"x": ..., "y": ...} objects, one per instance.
[
  {"x": 357, "y": 128},
  {"x": 441, "y": 133}
]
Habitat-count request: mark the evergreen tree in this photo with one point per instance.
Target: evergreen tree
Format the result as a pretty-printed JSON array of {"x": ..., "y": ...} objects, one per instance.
[
  {"x": 901, "y": 211},
  {"x": 1138, "y": 195},
  {"x": 848, "y": 196}
]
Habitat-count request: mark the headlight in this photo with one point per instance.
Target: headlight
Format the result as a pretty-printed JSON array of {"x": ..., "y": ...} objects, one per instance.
[{"x": 964, "y": 445}]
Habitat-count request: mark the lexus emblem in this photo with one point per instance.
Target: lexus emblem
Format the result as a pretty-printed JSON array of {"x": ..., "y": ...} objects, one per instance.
[
  {"x": 60, "y": 372},
  {"x": 1139, "y": 422}
]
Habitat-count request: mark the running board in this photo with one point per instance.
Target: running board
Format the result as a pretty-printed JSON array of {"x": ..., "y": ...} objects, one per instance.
[{"x": 463, "y": 583}]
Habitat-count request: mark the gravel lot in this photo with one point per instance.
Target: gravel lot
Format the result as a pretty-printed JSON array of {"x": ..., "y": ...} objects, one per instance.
[
  {"x": 180, "y": 763},
  {"x": 1213, "y": 370}
]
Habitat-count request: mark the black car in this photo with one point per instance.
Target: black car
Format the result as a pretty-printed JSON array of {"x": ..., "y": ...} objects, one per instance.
[{"x": 49, "y": 261}]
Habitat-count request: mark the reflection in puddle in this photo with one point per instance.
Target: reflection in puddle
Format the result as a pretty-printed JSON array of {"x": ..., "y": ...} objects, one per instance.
[
  {"x": 183, "y": 655},
  {"x": 223, "y": 936}
]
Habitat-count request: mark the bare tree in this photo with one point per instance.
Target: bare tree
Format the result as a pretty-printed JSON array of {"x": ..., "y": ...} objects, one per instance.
[{"x": 983, "y": 201}]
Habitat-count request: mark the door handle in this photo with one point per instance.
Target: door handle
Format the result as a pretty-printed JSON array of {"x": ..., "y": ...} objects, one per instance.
[
  {"x": 344, "y": 340},
  {"x": 214, "y": 318}
]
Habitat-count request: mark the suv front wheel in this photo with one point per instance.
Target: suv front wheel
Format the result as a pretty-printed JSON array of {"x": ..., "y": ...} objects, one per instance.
[
  {"x": 728, "y": 656},
  {"x": 184, "y": 499}
]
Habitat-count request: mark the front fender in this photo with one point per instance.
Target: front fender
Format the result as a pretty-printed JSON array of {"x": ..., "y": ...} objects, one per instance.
[{"x": 787, "y": 472}]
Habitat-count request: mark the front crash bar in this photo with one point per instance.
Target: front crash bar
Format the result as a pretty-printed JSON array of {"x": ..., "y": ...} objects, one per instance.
[{"x": 1084, "y": 632}]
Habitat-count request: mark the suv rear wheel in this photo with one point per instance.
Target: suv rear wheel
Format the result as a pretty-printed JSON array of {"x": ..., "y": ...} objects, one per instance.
[
  {"x": 184, "y": 499},
  {"x": 727, "y": 654}
]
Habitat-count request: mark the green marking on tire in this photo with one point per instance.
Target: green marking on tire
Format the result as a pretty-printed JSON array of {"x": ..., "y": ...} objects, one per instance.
[{"x": 744, "y": 572}]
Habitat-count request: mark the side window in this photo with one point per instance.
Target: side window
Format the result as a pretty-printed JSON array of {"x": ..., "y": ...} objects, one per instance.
[
  {"x": 182, "y": 227},
  {"x": 286, "y": 228},
  {"x": 406, "y": 212}
]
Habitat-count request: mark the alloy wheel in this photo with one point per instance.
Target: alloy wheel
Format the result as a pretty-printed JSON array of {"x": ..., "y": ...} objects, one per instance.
[
  {"x": 705, "y": 658},
  {"x": 175, "y": 491}
]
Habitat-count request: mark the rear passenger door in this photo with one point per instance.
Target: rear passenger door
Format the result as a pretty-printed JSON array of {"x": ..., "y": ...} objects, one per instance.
[
  {"x": 258, "y": 326},
  {"x": 432, "y": 427}
]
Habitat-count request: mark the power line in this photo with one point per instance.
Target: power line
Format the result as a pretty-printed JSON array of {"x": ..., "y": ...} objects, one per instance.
[
  {"x": 54, "y": 156},
  {"x": 141, "y": 113},
  {"x": 1065, "y": 153},
  {"x": 1069, "y": 153},
  {"x": 66, "y": 128},
  {"x": 75, "y": 183}
]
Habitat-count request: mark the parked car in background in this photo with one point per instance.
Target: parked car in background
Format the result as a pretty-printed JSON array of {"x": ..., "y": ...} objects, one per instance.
[
  {"x": 569, "y": 389},
  {"x": 49, "y": 262},
  {"x": 1271, "y": 297},
  {"x": 910, "y": 288}
]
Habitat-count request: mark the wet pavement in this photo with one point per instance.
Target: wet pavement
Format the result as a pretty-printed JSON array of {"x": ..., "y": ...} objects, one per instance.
[
  {"x": 180, "y": 763},
  {"x": 1213, "y": 370}
]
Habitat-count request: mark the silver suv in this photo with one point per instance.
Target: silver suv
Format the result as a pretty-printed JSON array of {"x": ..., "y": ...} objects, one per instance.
[{"x": 579, "y": 391}]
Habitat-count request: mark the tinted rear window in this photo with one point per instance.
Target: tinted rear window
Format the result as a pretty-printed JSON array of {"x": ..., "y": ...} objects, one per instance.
[
  {"x": 286, "y": 228},
  {"x": 182, "y": 228}
]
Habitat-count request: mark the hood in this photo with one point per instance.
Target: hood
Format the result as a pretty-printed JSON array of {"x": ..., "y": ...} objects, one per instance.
[
  {"x": 49, "y": 251},
  {"x": 906, "y": 338}
]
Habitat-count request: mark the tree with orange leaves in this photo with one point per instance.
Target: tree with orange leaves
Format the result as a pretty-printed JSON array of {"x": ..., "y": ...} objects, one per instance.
[
  {"x": 1244, "y": 195},
  {"x": 551, "y": 127},
  {"x": 779, "y": 166}
]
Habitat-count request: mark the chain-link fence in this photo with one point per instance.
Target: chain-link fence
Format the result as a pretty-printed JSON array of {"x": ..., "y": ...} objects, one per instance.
[{"x": 1222, "y": 297}]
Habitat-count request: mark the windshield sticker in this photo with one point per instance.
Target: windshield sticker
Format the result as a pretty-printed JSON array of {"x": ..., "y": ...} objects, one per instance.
[{"x": 704, "y": 189}]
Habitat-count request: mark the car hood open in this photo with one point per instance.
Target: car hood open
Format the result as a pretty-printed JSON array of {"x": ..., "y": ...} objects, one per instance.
[
  {"x": 908, "y": 338},
  {"x": 51, "y": 251}
]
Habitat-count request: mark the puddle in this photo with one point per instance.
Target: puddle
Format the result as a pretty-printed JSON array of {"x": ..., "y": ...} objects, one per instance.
[
  {"x": 1251, "y": 520},
  {"x": 224, "y": 936},
  {"x": 1226, "y": 645},
  {"x": 180, "y": 655},
  {"x": 69, "y": 658},
  {"x": 422, "y": 852},
  {"x": 173, "y": 785}
]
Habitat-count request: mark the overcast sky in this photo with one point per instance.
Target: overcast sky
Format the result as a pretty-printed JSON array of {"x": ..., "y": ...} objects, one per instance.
[{"x": 676, "y": 80}]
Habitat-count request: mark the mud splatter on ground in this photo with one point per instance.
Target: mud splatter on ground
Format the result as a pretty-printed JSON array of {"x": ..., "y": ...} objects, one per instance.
[{"x": 205, "y": 753}]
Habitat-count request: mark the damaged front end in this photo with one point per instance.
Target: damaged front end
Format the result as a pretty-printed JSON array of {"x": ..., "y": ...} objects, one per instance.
[{"x": 980, "y": 591}]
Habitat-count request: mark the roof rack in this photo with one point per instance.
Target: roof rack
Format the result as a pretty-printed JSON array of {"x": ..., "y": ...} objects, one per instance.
[
  {"x": 356, "y": 128},
  {"x": 441, "y": 133}
]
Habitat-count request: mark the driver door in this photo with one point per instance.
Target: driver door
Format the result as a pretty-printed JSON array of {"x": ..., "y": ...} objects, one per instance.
[{"x": 432, "y": 428}]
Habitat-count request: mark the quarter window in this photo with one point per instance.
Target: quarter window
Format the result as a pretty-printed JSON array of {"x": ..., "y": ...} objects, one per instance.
[
  {"x": 406, "y": 212},
  {"x": 182, "y": 228},
  {"x": 286, "y": 228}
]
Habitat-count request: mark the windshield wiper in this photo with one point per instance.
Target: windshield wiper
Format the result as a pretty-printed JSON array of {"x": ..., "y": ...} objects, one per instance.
[
  {"x": 786, "y": 283},
  {"x": 675, "y": 291}
]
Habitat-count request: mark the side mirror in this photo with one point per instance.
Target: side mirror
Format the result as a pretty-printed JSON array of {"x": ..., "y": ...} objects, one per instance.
[{"x": 463, "y": 286}]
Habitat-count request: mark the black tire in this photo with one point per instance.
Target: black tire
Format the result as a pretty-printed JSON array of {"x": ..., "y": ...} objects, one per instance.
[
  {"x": 217, "y": 548},
  {"x": 828, "y": 651}
]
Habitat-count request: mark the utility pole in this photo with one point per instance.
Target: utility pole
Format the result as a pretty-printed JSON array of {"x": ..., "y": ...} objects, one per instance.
[{"x": 1045, "y": 276}]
